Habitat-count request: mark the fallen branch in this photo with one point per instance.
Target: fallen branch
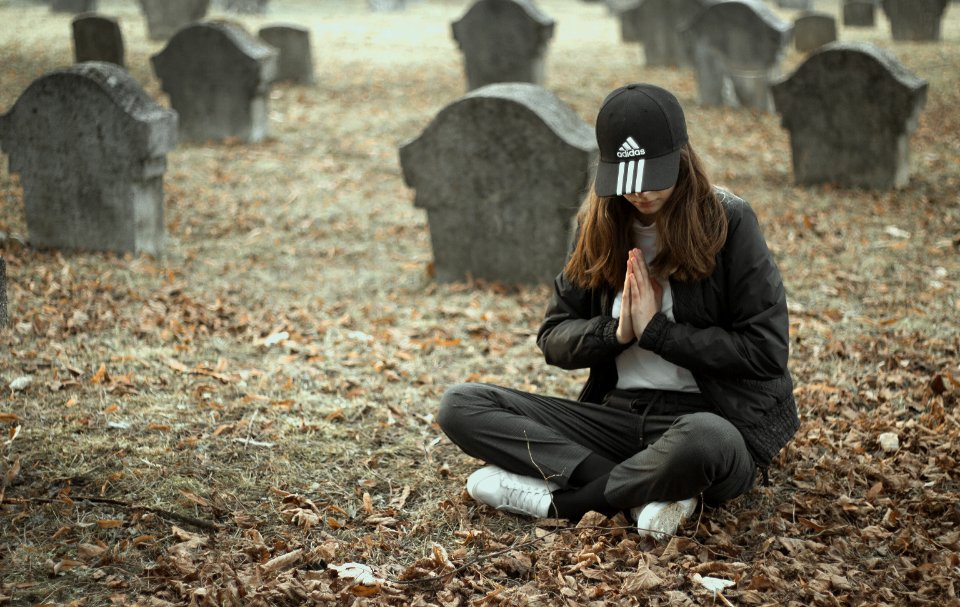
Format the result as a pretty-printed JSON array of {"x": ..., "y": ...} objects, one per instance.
[{"x": 180, "y": 518}]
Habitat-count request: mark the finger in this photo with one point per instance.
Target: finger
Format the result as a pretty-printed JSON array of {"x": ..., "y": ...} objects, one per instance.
[
  {"x": 641, "y": 266},
  {"x": 635, "y": 263},
  {"x": 628, "y": 290},
  {"x": 635, "y": 288}
]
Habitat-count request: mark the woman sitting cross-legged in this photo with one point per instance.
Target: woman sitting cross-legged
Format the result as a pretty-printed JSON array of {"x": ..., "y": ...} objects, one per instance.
[{"x": 673, "y": 301}]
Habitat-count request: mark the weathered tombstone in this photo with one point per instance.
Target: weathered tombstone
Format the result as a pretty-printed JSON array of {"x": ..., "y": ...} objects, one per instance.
[
  {"x": 165, "y": 17},
  {"x": 915, "y": 19},
  {"x": 737, "y": 47},
  {"x": 90, "y": 147},
  {"x": 501, "y": 172},
  {"x": 813, "y": 30},
  {"x": 218, "y": 78},
  {"x": 4, "y": 317},
  {"x": 73, "y": 6},
  {"x": 97, "y": 38},
  {"x": 294, "y": 59},
  {"x": 859, "y": 13},
  {"x": 503, "y": 41},
  {"x": 657, "y": 24},
  {"x": 803, "y": 5},
  {"x": 850, "y": 109}
]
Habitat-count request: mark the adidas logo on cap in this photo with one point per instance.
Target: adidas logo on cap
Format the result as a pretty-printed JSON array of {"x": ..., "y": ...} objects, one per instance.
[{"x": 630, "y": 148}]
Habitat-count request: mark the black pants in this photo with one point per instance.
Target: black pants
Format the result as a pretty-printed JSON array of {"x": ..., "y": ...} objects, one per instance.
[{"x": 668, "y": 446}]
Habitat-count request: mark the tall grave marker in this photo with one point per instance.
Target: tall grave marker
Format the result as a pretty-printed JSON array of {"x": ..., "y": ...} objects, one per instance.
[
  {"x": 850, "y": 109},
  {"x": 657, "y": 25},
  {"x": 218, "y": 78},
  {"x": 859, "y": 13},
  {"x": 165, "y": 17},
  {"x": 97, "y": 38},
  {"x": 90, "y": 147},
  {"x": 295, "y": 58},
  {"x": 501, "y": 173},
  {"x": 812, "y": 30},
  {"x": 503, "y": 41},
  {"x": 737, "y": 48},
  {"x": 915, "y": 19}
]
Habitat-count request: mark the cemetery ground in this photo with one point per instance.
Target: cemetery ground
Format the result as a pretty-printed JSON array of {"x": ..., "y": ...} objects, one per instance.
[{"x": 234, "y": 422}]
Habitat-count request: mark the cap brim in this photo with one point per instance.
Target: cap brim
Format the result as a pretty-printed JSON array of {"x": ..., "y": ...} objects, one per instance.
[{"x": 637, "y": 175}]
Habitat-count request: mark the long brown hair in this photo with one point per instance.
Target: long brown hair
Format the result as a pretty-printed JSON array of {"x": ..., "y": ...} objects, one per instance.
[{"x": 691, "y": 230}]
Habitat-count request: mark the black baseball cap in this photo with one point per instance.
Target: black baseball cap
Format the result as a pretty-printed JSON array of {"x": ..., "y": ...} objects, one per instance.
[{"x": 640, "y": 130}]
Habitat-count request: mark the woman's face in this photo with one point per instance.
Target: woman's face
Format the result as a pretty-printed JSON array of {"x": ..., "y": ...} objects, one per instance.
[{"x": 648, "y": 204}]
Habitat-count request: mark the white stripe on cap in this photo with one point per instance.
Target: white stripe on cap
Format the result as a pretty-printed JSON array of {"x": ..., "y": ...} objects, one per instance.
[
  {"x": 638, "y": 186},
  {"x": 629, "y": 188},
  {"x": 620, "y": 179}
]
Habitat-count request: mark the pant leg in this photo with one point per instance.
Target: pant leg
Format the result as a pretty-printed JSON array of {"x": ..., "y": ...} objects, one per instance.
[
  {"x": 690, "y": 454},
  {"x": 532, "y": 434}
]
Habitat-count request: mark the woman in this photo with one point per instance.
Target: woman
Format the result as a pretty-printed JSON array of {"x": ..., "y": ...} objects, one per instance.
[{"x": 673, "y": 301}]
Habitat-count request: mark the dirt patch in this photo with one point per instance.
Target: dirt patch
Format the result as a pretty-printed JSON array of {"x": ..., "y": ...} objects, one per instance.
[{"x": 236, "y": 421}]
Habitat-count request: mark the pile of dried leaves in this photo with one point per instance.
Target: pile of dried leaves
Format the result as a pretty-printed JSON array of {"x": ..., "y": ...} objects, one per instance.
[{"x": 248, "y": 420}]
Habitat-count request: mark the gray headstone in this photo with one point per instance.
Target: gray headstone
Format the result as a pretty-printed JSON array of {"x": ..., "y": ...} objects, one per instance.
[
  {"x": 218, "y": 78},
  {"x": 165, "y": 17},
  {"x": 915, "y": 19},
  {"x": 97, "y": 38},
  {"x": 850, "y": 109},
  {"x": 73, "y": 6},
  {"x": 657, "y": 24},
  {"x": 295, "y": 58},
  {"x": 501, "y": 173},
  {"x": 859, "y": 13},
  {"x": 813, "y": 30},
  {"x": 503, "y": 41},
  {"x": 90, "y": 147},
  {"x": 802, "y": 5},
  {"x": 4, "y": 316},
  {"x": 737, "y": 47}
]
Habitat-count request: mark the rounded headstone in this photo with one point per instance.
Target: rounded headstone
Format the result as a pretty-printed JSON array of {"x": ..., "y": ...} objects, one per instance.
[
  {"x": 850, "y": 109},
  {"x": 165, "y": 17},
  {"x": 90, "y": 147},
  {"x": 218, "y": 78},
  {"x": 503, "y": 41},
  {"x": 737, "y": 47},
  {"x": 501, "y": 173},
  {"x": 915, "y": 19}
]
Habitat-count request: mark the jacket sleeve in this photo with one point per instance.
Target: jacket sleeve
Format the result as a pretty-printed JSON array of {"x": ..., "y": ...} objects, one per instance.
[
  {"x": 573, "y": 334},
  {"x": 753, "y": 342}
]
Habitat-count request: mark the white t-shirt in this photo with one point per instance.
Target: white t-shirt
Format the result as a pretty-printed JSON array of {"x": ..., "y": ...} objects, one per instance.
[{"x": 639, "y": 368}]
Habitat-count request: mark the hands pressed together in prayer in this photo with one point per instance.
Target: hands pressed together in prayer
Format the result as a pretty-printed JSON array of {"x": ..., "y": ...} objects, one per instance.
[{"x": 642, "y": 298}]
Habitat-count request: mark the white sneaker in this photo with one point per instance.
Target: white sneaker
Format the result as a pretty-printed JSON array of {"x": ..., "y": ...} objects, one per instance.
[
  {"x": 660, "y": 520},
  {"x": 511, "y": 492}
]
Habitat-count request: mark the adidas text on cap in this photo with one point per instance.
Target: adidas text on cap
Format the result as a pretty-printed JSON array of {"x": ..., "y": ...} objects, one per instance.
[{"x": 640, "y": 130}]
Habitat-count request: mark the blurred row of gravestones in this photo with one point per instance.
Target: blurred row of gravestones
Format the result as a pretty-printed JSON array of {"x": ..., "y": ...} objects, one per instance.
[{"x": 510, "y": 159}]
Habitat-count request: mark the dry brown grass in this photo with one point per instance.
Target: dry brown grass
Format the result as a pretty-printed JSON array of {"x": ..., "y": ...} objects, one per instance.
[{"x": 157, "y": 391}]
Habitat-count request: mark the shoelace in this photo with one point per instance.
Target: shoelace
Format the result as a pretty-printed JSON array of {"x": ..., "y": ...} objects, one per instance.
[{"x": 522, "y": 496}]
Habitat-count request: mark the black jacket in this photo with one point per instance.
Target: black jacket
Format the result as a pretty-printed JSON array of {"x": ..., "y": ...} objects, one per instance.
[{"x": 731, "y": 332}]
